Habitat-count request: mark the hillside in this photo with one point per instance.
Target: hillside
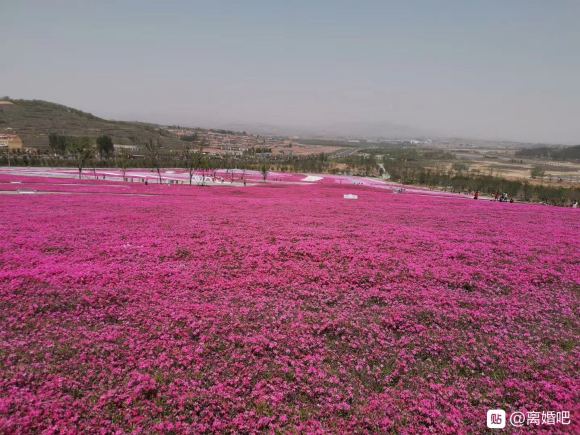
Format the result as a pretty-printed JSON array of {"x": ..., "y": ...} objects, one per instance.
[{"x": 34, "y": 120}]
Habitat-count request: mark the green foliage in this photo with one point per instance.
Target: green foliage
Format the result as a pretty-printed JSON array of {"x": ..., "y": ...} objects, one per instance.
[
  {"x": 487, "y": 184},
  {"x": 555, "y": 153},
  {"x": 359, "y": 164},
  {"x": 537, "y": 172},
  {"x": 309, "y": 163},
  {"x": 105, "y": 146},
  {"x": 460, "y": 166},
  {"x": 81, "y": 150},
  {"x": 190, "y": 138},
  {"x": 228, "y": 132},
  {"x": 58, "y": 143}
]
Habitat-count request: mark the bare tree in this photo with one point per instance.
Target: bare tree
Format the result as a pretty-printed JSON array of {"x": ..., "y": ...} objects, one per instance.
[
  {"x": 192, "y": 158},
  {"x": 123, "y": 158},
  {"x": 204, "y": 164},
  {"x": 153, "y": 156},
  {"x": 82, "y": 152}
]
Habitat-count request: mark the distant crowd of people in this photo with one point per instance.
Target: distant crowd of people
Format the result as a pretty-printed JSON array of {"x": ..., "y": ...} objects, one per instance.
[
  {"x": 504, "y": 197},
  {"x": 501, "y": 197}
]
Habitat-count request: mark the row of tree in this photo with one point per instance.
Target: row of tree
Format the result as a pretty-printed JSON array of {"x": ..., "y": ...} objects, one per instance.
[
  {"x": 406, "y": 166},
  {"x": 460, "y": 181},
  {"x": 570, "y": 153},
  {"x": 151, "y": 155},
  {"x": 63, "y": 145}
]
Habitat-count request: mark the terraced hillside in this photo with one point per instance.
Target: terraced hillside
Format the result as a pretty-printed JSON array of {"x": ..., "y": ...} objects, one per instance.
[{"x": 34, "y": 120}]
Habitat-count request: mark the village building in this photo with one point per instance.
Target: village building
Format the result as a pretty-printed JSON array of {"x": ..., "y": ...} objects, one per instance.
[
  {"x": 5, "y": 104},
  {"x": 125, "y": 147},
  {"x": 10, "y": 142}
]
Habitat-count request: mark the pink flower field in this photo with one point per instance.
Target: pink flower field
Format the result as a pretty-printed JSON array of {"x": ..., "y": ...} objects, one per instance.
[{"x": 281, "y": 308}]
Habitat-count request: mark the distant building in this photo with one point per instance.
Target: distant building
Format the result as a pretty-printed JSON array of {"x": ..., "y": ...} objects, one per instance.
[
  {"x": 5, "y": 105},
  {"x": 10, "y": 142},
  {"x": 126, "y": 147}
]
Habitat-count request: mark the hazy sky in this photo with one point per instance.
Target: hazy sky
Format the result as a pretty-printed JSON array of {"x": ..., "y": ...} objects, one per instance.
[{"x": 482, "y": 68}]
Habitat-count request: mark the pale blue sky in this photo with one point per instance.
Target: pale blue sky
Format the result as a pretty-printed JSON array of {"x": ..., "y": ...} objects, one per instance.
[{"x": 482, "y": 68}]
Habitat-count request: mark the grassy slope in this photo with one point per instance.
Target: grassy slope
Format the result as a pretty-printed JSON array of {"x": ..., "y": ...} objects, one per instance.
[{"x": 33, "y": 120}]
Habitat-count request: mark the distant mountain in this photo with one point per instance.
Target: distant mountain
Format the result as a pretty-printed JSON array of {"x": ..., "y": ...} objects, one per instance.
[
  {"x": 368, "y": 130},
  {"x": 34, "y": 120}
]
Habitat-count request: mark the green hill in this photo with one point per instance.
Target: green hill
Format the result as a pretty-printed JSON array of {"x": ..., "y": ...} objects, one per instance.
[{"x": 34, "y": 120}]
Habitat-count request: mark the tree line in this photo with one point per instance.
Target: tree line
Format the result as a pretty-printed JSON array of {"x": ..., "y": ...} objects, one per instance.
[
  {"x": 571, "y": 153},
  {"x": 407, "y": 166}
]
